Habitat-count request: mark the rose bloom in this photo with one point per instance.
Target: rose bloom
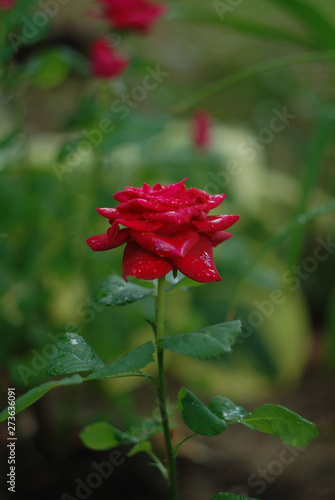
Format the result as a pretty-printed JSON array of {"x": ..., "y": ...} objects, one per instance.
[
  {"x": 7, "y": 4},
  {"x": 202, "y": 130},
  {"x": 165, "y": 228},
  {"x": 104, "y": 62},
  {"x": 136, "y": 15}
]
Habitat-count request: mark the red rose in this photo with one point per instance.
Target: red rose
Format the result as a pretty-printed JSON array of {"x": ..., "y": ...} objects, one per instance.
[
  {"x": 165, "y": 227},
  {"x": 104, "y": 62},
  {"x": 136, "y": 15},
  {"x": 7, "y": 4},
  {"x": 202, "y": 130}
]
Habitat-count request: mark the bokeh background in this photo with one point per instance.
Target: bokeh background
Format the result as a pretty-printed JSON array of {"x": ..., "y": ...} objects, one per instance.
[{"x": 271, "y": 150}]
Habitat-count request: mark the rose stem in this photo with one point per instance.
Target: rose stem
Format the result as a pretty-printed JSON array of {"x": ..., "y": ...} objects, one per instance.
[{"x": 160, "y": 309}]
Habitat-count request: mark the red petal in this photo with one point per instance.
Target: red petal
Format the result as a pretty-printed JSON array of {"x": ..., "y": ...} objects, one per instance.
[
  {"x": 139, "y": 205},
  {"x": 113, "y": 213},
  {"x": 172, "y": 229},
  {"x": 171, "y": 189},
  {"x": 166, "y": 191},
  {"x": 176, "y": 216},
  {"x": 109, "y": 213},
  {"x": 218, "y": 237},
  {"x": 213, "y": 202},
  {"x": 112, "y": 239},
  {"x": 199, "y": 262},
  {"x": 167, "y": 246},
  {"x": 216, "y": 223},
  {"x": 142, "y": 264},
  {"x": 140, "y": 225}
]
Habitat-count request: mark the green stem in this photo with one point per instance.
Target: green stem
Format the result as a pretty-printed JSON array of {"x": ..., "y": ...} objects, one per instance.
[
  {"x": 159, "y": 465},
  {"x": 176, "y": 448},
  {"x": 160, "y": 310}
]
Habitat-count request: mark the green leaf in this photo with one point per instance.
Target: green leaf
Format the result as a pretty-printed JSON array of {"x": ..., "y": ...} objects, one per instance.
[
  {"x": 99, "y": 436},
  {"x": 73, "y": 355},
  {"x": 247, "y": 72},
  {"x": 117, "y": 292},
  {"x": 279, "y": 421},
  {"x": 208, "y": 342},
  {"x": 244, "y": 25},
  {"x": 197, "y": 416},
  {"x": 125, "y": 438},
  {"x": 38, "y": 392},
  {"x": 174, "y": 278},
  {"x": 145, "y": 446},
  {"x": 133, "y": 361},
  {"x": 48, "y": 69},
  {"x": 226, "y": 409},
  {"x": 320, "y": 28},
  {"x": 230, "y": 496},
  {"x": 312, "y": 165},
  {"x": 8, "y": 139}
]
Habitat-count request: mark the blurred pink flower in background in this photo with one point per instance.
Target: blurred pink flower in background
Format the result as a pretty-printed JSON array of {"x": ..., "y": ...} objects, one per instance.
[
  {"x": 105, "y": 63},
  {"x": 202, "y": 129},
  {"x": 7, "y": 4},
  {"x": 138, "y": 15}
]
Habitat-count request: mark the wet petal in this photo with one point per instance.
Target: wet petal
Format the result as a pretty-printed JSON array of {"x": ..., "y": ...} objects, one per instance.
[
  {"x": 216, "y": 223},
  {"x": 218, "y": 237},
  {"x": 139, "y": 205},
  {"x": 176, "y": 216},
  {"x": 140, "y": 225},
  {"x": 142, "y": 264},
  {"x": 112, "y": 239},
  {"x": 167, "y": 191},
  {"x": 213, "y": 202},
  {"x": 199, "y": 262},
  {"x": 109, "y": 213},
  {"x": 171, "y": 189},
  {"x": 167, "y": 246},
  {"x": 113, "y": 213},
  {"x": 170, "y": 228}
]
